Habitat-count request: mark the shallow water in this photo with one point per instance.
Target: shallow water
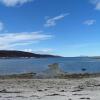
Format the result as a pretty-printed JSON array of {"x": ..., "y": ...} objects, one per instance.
[{"x": 69, "y": 64}]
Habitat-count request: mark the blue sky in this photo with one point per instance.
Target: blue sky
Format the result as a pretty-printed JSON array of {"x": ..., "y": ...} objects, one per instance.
[{"x": 61, "y": 27}]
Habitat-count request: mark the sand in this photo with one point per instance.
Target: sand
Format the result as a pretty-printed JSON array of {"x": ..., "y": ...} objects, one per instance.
[{"x": 50, "y": 89}]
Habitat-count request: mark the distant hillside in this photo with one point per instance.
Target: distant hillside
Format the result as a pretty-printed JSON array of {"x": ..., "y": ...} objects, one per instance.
[
  {"x": 9, "y": 53},
  {"x": 95, "y": 57}
]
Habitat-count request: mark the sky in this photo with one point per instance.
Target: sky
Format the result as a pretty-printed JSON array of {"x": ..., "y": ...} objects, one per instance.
[{"x": 59, "y": 27}]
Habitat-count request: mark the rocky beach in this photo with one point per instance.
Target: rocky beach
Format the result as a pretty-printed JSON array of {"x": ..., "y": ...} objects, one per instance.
[{"x": 47, "y": 89}]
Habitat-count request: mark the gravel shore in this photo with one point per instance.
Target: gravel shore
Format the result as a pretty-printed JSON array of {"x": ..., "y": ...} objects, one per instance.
[{"x": 50, "y": 89}]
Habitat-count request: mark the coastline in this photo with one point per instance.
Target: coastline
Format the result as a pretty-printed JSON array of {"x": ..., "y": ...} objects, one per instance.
[{"x": 32, "y": 75}]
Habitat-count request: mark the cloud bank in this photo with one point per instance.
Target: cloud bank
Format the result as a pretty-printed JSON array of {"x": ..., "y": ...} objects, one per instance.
[{"x": 10, "y": 40}]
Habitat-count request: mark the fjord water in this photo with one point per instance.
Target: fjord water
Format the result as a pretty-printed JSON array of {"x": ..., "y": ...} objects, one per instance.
[{"x": 68, "y": 64}]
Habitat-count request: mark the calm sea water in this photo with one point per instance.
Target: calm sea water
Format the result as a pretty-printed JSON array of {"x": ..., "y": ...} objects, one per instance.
[{"x": 71, "y": 65}]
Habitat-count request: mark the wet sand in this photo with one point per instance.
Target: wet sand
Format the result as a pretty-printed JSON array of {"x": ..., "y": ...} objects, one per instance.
[{"x": 50, "y": 89}]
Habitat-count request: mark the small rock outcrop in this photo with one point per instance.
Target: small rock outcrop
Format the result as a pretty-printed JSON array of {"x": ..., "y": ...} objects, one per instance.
[{"x": 53, "y": 71}]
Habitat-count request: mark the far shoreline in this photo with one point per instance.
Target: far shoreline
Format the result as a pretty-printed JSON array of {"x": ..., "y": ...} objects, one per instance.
[{"x": 32, "y": 75}]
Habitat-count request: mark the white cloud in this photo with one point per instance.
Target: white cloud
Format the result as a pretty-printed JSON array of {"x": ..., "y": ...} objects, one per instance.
[
  {"x": 10, "y": 40},
  {"x": 90, "y": 22},
  {"x": 44, "y": 51},
  {"x": 12, "y": 3},
  {"x": 1, "y": 26},
  {"x": 28, "y": 50},
  {"x": 96, "y": 3},
  {"x": 53, "y": 21},
  {"x": 41, "y": 51},
  {"x": 98, "y": 6}
]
